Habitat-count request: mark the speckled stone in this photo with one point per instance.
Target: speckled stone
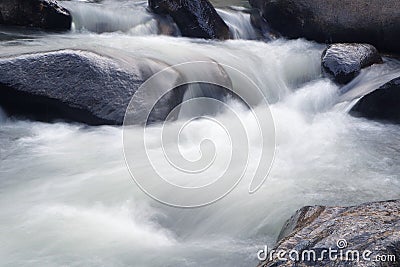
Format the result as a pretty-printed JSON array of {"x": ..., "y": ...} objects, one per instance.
[
  {"x": 371, "y": 226},
  {"x": 195, "y": 18},
  {"x": 345, "y": 61}
]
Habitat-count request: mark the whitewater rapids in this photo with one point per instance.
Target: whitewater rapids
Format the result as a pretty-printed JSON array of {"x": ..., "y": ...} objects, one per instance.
[{"x": 67, "y": 198}]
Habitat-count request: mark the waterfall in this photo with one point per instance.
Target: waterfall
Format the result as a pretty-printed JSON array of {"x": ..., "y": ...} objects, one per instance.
[
  {"x": 239, "y": 24},
  {"x": 368, "y": 80},
  {"x": 112, "y": 17},
  {"x": 195, "y": 91},
  {"x": 134, "y": 19}
]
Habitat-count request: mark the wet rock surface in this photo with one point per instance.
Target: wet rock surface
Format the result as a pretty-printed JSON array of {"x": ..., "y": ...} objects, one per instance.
[
  {"x": 195, "y": 18},
  {"x": 344, "y": 61},
  {"x": 373, "y": 227},
  {"x": 333, "y": 21},
  {"x": 382, "y": 104},
  {"x": 76, "y": 86},
  {"x": 45, "y": 14}
]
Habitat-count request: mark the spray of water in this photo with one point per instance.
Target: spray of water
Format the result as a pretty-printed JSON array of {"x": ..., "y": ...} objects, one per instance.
[
  {"x": 133, "y": 18},
  {"x": 67, "y": 197}
]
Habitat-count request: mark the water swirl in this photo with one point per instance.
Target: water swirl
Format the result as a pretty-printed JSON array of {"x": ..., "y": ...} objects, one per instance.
[{"x": 188, "y": 167}]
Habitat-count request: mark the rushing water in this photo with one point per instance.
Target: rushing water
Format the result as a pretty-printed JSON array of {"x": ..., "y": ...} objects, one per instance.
[{"x": 67, "y": 198}]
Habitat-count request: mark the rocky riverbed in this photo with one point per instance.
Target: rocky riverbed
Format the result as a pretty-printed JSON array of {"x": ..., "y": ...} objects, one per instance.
[{"x": 68, "y": 72}]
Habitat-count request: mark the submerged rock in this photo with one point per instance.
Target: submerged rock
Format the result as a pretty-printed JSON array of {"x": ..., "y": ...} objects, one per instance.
[
  {"x": 77, "y": 86},
  {"x": 372, "y": 229},
  {"x": 195, "y": 18},
  {"x": 345, "y": 61},
  {"x": 45, "y": 14},
  {"x": 381, "y": 104},
  {"x": 335, "y": 21}
]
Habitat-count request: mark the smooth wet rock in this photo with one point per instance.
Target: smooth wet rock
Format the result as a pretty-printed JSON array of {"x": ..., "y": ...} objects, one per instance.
[
  {"x": 371, "y": 227},
  {"x": 195, "y": 18},
  {"x": 382, "y": 104},
  {"x": 336, "y": 21},
  {"x": 45, "y": 14},
  {"x": 78, "y": 86},
  {"x": 345, "y": 61}
]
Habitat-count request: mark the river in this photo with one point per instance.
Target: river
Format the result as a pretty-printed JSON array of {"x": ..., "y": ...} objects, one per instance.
[{"x": 67, "y": 197}]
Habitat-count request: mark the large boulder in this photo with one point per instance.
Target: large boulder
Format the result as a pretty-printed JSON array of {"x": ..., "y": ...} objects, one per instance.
[
  {"x": 195, "y": 18},
  {"x": 381, "y": 104},
  {"x": 45, "y": 14},
  {"x": 334, "y": 21},
  {"x": 371, "y": 229},
  {"x": 96, "y": 89},
  {"x": 78, "y": 86},
  {"x": 345, "y": 61}
]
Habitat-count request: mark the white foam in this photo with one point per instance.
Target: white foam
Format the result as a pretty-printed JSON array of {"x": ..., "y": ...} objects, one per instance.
[{"x": 67, "y": 197}]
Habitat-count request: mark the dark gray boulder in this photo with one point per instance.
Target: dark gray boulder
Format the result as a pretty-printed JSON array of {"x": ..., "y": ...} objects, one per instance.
[
  {"x": 195, "y": 18},
  {"x": 45, "y": 14},
  {"x": 345, "y": 61},
  {"x": 336, "y": 21},
  {"x": 78, "y": 86},
  {"x": 381, "y": 104},
  {"x": 372, "y": 227}
]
